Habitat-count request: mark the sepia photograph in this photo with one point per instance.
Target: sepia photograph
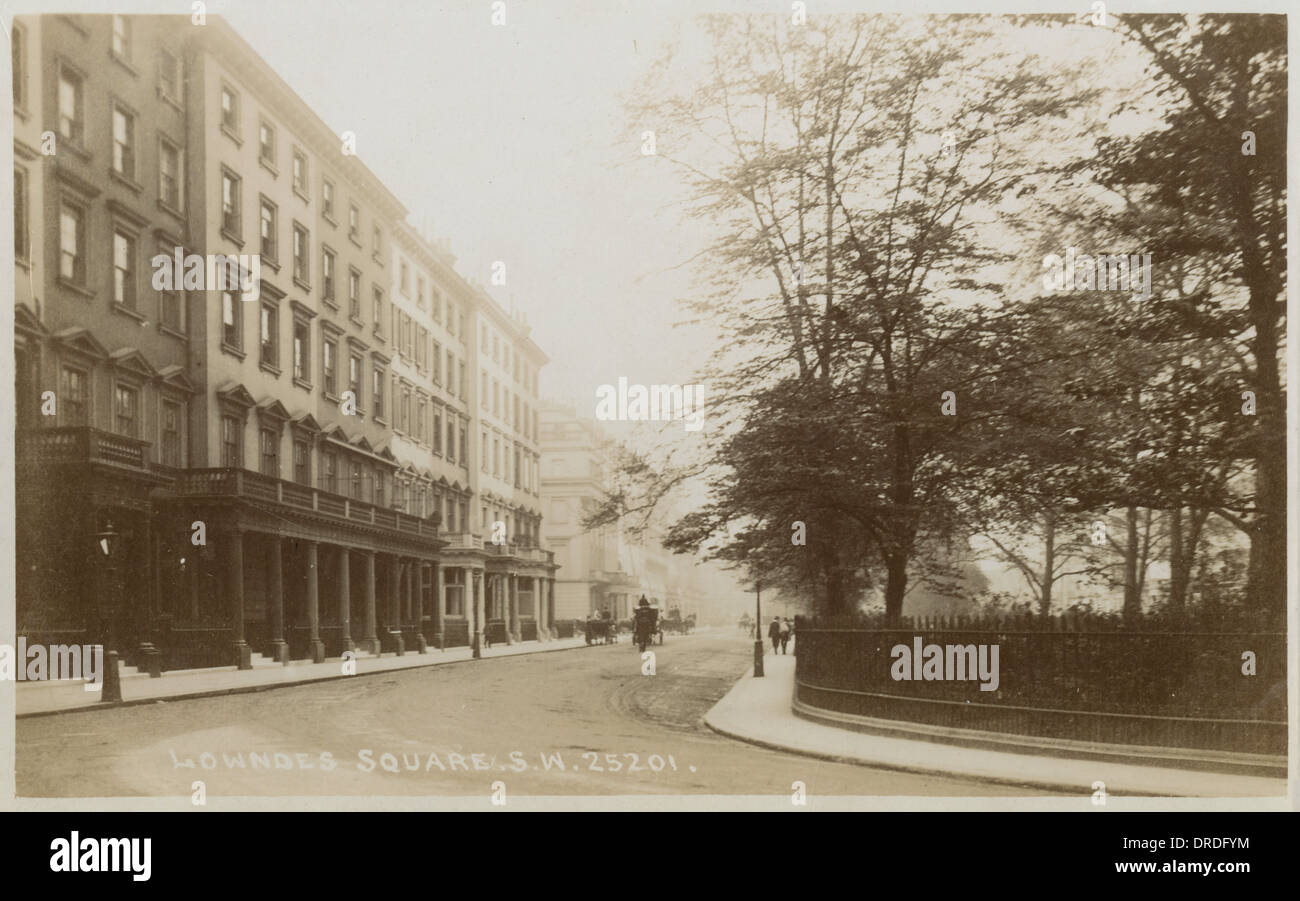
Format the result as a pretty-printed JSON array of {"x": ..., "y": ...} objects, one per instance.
[{"x": 502, "y": 405}]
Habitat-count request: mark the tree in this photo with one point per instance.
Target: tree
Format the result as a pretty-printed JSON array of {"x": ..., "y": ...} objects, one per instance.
[{"x": 1216, "y": 165}]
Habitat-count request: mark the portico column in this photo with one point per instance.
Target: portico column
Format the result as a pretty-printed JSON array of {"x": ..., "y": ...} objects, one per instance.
[
  {"x": 313, "y": 603},
  {"x": 275, "y": 582},
  {"x": 511, "y": 609},
  {"x": 394, "y": 617},
  {"x": 439, "y": 606},
  {"x": 345, "y": 599},
  {"x": 370, "y": 641},
  {"x": 476, "y": 618},
  {"x": 147, "y": 607},
  {"x": 539, "y": 609},
  {"x": 235, "y": 581},
  {"x": 417, "y": 572}
]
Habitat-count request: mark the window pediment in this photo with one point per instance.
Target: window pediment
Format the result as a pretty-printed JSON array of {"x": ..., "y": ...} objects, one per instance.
[
  {"x": 81, "y": 342},
  {"x": 129, "y": 361},
  {"x": 235, "y": 398}
]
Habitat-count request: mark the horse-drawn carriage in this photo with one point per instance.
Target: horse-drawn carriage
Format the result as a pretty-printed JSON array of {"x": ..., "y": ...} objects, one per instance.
[
  {"x": 674, "y": 622},
  {"x": 601, "y": 631},
  {"x": 647, "y": 626}
]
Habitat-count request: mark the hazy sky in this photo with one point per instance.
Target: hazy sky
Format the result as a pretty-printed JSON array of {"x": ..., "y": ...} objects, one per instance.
[{"x": 512, "y": 141}]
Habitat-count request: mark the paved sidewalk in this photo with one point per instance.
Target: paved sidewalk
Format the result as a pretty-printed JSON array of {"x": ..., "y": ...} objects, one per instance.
[
  {"x": 759, "y": 711},
  {"x": 51, "y": 697}
]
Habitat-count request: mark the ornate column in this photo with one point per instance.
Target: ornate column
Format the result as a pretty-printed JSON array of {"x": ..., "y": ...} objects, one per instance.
[
  {"x": 439, "y": 605},
  {"x": 512, "y": 608},
  {"x": 235, "y": 585},
  {"x": 345, "y": 598},
  {"x": 275, "y": 584},
  {"x": 370, "y": 641},
  {"x": 393, "y": 624},
  {"x": 147, "y": 607},
  {"x": 539, "y": 609},
  {"x": 313, "y": 603},
  {"x": 417, "y": 573}
]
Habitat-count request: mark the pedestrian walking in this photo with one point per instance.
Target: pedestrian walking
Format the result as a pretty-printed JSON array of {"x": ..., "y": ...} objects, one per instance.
[
  {"x": 785, "y": 634},
  {"x": 774, "y": 633}
]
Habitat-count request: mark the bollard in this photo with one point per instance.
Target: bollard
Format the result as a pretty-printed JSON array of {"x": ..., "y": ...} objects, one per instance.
[{"x": 112, "y": 689}]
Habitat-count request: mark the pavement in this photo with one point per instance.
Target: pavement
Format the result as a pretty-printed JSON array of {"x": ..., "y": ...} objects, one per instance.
[
  {"x": 602, "y": 727},
  {"x": 760, "y": 711},
  {"x": 34, "y": 698}
]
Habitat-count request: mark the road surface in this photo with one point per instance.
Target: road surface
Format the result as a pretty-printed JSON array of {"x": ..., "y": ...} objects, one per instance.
[{"x": 574, "y": 722}]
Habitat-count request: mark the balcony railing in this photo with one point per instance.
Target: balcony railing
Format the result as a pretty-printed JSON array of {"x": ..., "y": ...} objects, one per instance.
[
  {"x": 530, "y": 553},
  {"x": 464, "y": 541},
  {"x": 82, "y": 444},
  {"x": 249, "y": 484}
]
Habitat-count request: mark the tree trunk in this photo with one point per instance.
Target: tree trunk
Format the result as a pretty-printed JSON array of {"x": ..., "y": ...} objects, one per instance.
[
  {"x": 1132, "y": 598},
  {"x": 1266, "y": 587},
  {"x": 1049, "y": 565},
  {"x": 895, "y": 584},
  {"x": 1179, "y": 566}
]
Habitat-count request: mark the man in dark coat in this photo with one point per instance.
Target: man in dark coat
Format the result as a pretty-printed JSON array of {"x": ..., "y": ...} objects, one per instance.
[{"x": 774, "y": 633}]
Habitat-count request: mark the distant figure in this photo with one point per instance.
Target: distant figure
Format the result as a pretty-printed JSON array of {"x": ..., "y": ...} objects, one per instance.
[
  {"x": 774, "y": 633},
  {"x": 785, "y": 635}
]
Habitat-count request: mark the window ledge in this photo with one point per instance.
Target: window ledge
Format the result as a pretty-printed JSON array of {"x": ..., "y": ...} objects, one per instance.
[
  {"x": 170, "y": 101},
  {"x": 329, "y": 217},
  {"x": 330, "y": 303},
  {"x": 167, "y": 330},
  {"x": 302, "y": 383},
  {"x": 268, "y": 166},
  {"x": 232, "y": 134},
  {"x": 269, "y": 367},
  {"x": 127, "y": 311},
  {"x": 232, "y": 350},
  {"x": 77, "y": 148},
  {"x": 302, "y": 196},
  {"x": 123, "y": 62},
  {"x": 301, "y": 283},
  {"x": 125, "y": 180},
  {"x": 168, "y": 208},
  {"x": 233, "y": 238},
  {"x": 76, "y": 288}
]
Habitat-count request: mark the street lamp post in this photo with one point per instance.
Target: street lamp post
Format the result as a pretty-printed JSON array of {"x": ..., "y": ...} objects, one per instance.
[
  {"x": 758, "y": 630},
  {"x": 111, "y": 690}
]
